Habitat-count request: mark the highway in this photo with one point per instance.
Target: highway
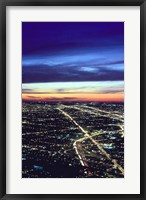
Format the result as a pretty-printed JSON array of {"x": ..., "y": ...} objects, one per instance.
[
  {"x": 98, "y": 113},
  {"x": 87, "y": 135}
]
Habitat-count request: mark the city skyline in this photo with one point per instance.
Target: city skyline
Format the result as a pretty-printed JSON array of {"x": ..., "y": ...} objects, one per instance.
[{"x": 73, "y": 61}]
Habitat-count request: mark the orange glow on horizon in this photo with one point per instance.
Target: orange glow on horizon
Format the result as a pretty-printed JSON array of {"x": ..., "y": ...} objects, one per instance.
[{"x": 119, "y": 97}]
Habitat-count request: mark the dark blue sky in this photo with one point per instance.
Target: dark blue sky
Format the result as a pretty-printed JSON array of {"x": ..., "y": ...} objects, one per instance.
[{"x": 72, "y": 51}]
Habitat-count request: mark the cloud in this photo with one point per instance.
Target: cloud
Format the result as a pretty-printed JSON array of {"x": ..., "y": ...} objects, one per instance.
[
  {"x": 68, "y": 88},
  {"x": 61, "y": 99},
  {"x": 33, "y": 91},
  {"x": 111, "y": 91},
  {"x": 62, "y": 37},
  {"x": 27, "y": 91},
  {"x": 32, "y": 97},
  {"x": 74, "y": 73},
  {"x": 71, "y": 52}
]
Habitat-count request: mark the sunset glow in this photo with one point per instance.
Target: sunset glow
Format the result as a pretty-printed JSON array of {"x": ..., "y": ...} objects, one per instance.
[{"x": 75, "y": 97}]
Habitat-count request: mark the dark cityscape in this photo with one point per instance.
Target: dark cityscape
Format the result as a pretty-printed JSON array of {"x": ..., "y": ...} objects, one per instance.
[{"x": 72, "y": 140}]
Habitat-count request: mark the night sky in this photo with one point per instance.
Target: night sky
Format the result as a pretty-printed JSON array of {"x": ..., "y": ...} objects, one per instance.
[{"x": 73, "y": 61}]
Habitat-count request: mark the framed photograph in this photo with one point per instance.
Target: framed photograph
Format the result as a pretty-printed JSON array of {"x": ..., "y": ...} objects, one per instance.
[{"x": 72, "y": 99}]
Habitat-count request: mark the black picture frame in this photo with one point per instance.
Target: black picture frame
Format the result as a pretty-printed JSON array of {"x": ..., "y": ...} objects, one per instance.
[{"x": 3, "y": 99}]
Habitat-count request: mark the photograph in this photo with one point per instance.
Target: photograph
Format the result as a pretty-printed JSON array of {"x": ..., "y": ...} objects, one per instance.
[{"x": 72, "y": 99}]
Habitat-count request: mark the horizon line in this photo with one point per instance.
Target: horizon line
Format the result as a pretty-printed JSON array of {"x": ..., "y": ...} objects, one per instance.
[{"x": 43, "y": 101}]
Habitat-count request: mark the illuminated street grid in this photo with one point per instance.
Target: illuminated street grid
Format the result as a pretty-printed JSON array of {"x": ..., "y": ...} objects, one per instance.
[{"x": 72, "y": 140}]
